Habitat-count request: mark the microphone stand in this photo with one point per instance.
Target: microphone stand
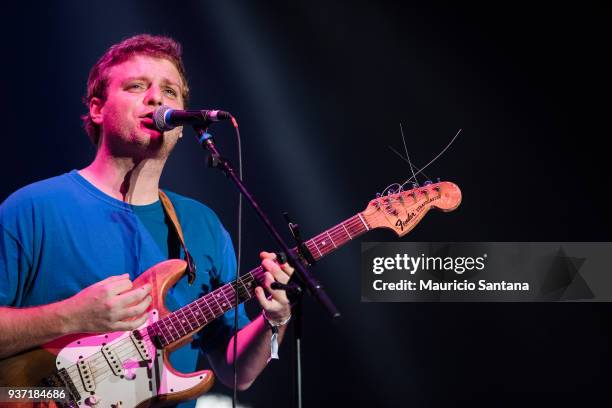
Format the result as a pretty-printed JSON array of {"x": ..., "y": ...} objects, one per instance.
[
  {"x": 304, "y": 279},
  {"x": 297, "y": 314}
]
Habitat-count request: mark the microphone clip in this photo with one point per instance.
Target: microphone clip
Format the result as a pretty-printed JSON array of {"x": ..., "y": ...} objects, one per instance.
[{"x": 303, "y": 251}]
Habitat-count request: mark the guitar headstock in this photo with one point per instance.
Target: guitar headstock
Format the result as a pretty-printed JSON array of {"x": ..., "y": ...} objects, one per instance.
[{"x": 403, "y": 210}]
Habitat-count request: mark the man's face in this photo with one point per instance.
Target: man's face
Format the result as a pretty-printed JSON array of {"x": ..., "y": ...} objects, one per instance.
[{"x": 135, "y": 89}]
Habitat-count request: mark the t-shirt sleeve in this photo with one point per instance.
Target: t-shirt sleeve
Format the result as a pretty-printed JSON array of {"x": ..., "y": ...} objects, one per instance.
[
  {"x": 15, "y": 263},
  {"x": 218, "y": 333}
]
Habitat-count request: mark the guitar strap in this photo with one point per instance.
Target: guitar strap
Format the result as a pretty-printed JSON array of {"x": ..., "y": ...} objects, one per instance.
[{"x": 169, "y": 210}]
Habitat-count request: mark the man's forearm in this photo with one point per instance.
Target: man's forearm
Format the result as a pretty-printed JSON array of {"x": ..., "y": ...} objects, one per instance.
[
  {"x": 24, "y": 328},
  {"x": 254, "y": 342}
]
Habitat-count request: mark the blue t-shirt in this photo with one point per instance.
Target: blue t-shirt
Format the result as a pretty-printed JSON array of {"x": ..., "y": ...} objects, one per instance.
[{"x": 60, "y": 235}]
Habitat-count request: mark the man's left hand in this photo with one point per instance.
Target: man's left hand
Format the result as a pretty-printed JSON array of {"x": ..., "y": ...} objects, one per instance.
[{"x": 277, "y": 306}]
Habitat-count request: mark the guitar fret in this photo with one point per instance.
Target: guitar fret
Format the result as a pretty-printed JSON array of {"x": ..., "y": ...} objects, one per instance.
[
  {"x": 210, "y": 308},
  {"x": 217, "y": 302},
  {"x": 186, "y": 319},
  {"x": 332, "y": 240},
  {"x": 356, "y": 222},
  {"x": 229, "y": 303},
  {"x": 323, "y": 242},
  {"x": 237, "y": 293},
  {"x": 178, "y": 320},
  {"x": 248, "y": 283},
  {"x": 164, "y": 321},
  {"x": 245, "y": 290},
  {"x": 324, "y": 245},
  {"x": 225, "y": 304},
  {"x": 315, "y": 244},
  {"x": 232, "y": 296},
  {"x": 172, "y": 317},
  {"x": 347, "y": 233},
  {"x": 196, "y": 314},
  {"x": 165, "y": 339},
  {"x": 215, "y": 305},
  {"x": 155, "y": 331},
  {"x": 243, "y": 294},
  {"x": 168, "y": 331},
  {"x": 343, "y": 237},
  {"x": 192, "y": 320},
  {"x": 197, "y": 303},
  {"x": 162, "y": 325}
]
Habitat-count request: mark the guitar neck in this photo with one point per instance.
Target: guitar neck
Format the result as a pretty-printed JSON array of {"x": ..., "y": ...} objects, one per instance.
[
  {"x": 209, "y": 307},
  {"x": 332, "y": 239}
]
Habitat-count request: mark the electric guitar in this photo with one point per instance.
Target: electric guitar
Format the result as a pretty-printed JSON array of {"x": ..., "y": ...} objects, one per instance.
[{"x": 132, "y": 369}]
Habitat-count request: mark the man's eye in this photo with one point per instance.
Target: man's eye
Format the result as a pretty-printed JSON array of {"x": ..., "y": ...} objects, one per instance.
[
  {"x": 171, "y": 92},
  {"x": 135, "y": 86}
]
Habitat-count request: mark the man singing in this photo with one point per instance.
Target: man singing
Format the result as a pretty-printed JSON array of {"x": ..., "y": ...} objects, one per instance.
[{"x": 71, "y": 245}]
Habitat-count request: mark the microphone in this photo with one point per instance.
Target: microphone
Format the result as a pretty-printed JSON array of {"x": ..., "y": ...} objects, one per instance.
[{"x": 166, "y": 118}]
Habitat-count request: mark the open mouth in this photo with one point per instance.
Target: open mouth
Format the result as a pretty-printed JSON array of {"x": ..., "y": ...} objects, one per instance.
[
  {"x": 147, "y": 121},
  {"x": 149, "y": 124}
]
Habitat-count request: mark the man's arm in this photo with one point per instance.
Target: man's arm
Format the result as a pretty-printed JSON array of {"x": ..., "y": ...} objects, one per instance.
[
  {"x": 105, "y": 306},
  {"x": 254, "y": 340},
  {"x": 24, "y": 328}
]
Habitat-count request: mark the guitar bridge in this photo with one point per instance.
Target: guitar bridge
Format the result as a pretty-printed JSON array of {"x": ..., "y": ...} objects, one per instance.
[{"x": 61, "y": 379}]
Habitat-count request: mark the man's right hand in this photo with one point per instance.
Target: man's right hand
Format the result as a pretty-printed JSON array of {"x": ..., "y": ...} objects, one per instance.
[{"x": 109, "y": 305}]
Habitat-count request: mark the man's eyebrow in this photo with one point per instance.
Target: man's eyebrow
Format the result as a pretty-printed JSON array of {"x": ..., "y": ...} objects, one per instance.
[
  {"x": 167, "y": 81},
  {"x": 135, "y": 78},
  {"x": 164, "y": 81}
]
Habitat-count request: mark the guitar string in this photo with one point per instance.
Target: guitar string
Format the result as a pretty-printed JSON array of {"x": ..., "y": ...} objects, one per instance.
[
  {"x": 99, "y": 363},
  {"x": 435, "y": 158},
  {"x": 125, "y": 348},
  {"x": 354, "y": 224},
  {"x": 334, "y": 232},
  {"x": 126, "y": 345}
]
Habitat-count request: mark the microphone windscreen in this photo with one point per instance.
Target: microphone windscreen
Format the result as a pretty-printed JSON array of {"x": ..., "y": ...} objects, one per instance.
[{"x": 159, "y": 118}]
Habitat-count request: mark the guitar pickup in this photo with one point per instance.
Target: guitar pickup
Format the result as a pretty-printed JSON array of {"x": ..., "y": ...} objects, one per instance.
[
  {"x": 86, "y": 377},
  {"x": 141, "y": 348},
  {"x": 113, "y": 360}
]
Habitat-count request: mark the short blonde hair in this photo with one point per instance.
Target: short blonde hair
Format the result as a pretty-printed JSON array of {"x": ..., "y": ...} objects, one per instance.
[{"x": 142, "y": 44}]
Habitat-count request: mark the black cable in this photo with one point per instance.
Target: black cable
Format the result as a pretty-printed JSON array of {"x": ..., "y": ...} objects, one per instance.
[{"x": 238, "y": 255}]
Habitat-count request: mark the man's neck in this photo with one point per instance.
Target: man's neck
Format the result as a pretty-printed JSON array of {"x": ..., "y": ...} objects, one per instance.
[{"x": 127, "y": 179}]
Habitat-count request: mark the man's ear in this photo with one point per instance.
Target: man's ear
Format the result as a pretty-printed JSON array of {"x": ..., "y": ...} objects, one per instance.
[{"x": 95, "y": 110}]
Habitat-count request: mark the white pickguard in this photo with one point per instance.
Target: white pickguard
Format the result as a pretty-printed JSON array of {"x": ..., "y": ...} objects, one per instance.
[{"x": 140, "y": 380}]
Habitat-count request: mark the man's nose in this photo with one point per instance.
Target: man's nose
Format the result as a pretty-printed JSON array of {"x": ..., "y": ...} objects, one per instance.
[{"x": 154, "y": 96}]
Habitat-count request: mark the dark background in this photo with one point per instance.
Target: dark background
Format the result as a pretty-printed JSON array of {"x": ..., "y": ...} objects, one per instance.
[{"x": 320, "y": 89}]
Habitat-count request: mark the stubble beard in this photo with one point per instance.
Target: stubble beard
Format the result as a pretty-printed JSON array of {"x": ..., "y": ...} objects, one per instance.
[{"x": 138, "y": 145}]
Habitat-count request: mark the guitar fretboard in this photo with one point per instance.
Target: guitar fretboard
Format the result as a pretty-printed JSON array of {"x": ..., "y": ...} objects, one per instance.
[{"x": 197, "y": 314}]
